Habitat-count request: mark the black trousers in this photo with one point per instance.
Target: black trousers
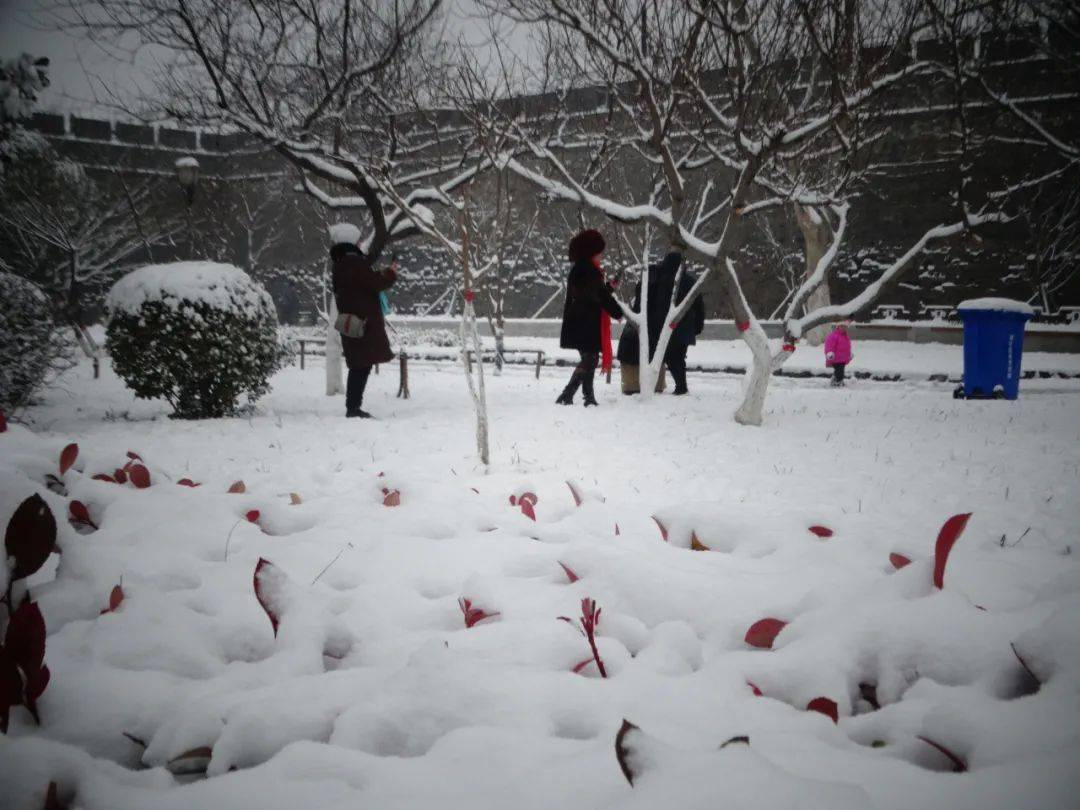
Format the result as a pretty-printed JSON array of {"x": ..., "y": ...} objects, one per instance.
[
  {"x": 675, "y": 357},
  {"x": 354, "y": 388},
  {"x": 838, "y": 372}
]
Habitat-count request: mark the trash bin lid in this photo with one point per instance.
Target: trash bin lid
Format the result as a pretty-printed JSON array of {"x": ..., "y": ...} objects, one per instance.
[{"x": 997, "y": 305}]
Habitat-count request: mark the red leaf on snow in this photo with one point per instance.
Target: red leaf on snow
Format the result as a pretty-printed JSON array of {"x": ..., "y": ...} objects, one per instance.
[
  {"x": 821, "y": 531},
  {"x": 899, "y": 560},
  {"x": 133, "y": 455},
  {"x": 116, "y": 596},
  {"x": 569, "y": 572},
  {"x": 959, "y": 766},
  {"x": 11, "y": 687},
  {"x": 617, "y": 530},
  {"x": 103, "y": 477},
  {"x": 120, "y": 476},
  {"x": 139, "y": 475},
  {"x": 825, "y": 706},
  {"x": 578, "y": 500},
  {"x": 527, "y": 509},
  {"x": 762, "y": 633},
  {"x": 30, "y": 537},
  {"x": 237, "y": 488},
  {"x": 662, "y": 527},
  {"x": 580, "y": 665},
  {"x": 530, "y": 497},
  {"x": 754, "y": 688},
  {"x": 267, "y": 576},
  {"x": 252, "y": 516},
  {"x": 1024, "y": 664},
  {"x": 25, "y": 637},
  {"x": 78, "y": 514},
  {"x": 695, "y": 544},
  {"x": 391, "y": 498},
  {"x": 68, "y": 456},
  {"x": 624, "y": 751},
  {"x": 947, "y": 537},
  {"x": 52, "y": 799},
  {"x": 187, "y": 482},
  {"x": 473, "y": 615},
  {"x": 513, "y": 500}
]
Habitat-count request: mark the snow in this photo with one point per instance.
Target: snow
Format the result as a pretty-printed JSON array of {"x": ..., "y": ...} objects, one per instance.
[
  {"x": 374, "y": 693},
  {"x": 186, "y": 163},
  {"x": 344, "y": 233},
  {"x": 180, "y": 284},
  {"x": 996, "y": 305}
]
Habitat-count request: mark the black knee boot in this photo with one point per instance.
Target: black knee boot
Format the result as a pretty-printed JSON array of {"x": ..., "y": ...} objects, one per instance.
[
  {"x": 567, "y": 395},
  {"x": 587, "y": 389}
]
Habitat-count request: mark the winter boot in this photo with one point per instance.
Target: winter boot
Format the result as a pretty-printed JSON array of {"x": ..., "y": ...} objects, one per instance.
[
  {"x": 587, "y": 390},
  {"x": 567, "y": 395}
]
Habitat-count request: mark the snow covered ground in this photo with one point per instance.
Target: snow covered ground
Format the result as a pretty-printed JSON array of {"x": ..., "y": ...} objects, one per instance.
[{"x": 375, "y": 694}]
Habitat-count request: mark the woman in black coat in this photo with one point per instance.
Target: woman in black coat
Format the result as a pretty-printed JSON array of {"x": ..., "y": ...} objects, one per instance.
[
  {"x": 586, "y": 324},
  {"x": 356, "y": 291}
]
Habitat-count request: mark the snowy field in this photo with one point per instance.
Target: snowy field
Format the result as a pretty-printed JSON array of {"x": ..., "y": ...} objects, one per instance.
[{"x": 375, "y": 694}]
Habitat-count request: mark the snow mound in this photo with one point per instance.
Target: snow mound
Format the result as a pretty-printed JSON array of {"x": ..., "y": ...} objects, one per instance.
[{"x": 180, "y": 284}]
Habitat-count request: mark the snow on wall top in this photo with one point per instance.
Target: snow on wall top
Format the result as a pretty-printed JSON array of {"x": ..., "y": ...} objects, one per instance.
[
  {"x": 222, "y": 286},
  {"x": 997, "y": 305}
]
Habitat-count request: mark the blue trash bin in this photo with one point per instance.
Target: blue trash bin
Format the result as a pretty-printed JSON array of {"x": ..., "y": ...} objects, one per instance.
[{"x": 993, "y": 347}]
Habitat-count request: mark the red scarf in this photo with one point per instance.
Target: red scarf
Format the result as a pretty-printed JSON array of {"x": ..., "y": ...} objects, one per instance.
[{"x": 606, "y": 355}]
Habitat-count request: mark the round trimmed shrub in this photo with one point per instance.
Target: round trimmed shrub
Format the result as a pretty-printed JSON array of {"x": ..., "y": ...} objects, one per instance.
[
  {"x": 201, "y": 335},
  {"x": 33, "y": 345}
]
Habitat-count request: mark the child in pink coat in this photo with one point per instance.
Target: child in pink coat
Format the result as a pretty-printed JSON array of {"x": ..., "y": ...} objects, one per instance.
[{"x": 838, "y": 352}]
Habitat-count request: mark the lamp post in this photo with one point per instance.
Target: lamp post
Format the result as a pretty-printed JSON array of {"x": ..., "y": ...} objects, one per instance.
[{"x": 187, "y": 174}]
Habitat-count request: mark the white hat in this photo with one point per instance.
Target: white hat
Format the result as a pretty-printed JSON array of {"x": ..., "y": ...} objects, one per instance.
[{"x": 344, "y": 233}]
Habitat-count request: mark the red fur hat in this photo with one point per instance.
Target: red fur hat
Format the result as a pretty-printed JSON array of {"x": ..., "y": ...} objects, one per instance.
[{"x": 586, "y": 244}]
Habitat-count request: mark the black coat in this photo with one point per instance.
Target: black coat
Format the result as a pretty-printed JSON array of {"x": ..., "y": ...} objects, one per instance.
[
  {"x": 586, "y": 296},
  {"x": 661, "y": 283},
  {"x": 356, "y": 291}
]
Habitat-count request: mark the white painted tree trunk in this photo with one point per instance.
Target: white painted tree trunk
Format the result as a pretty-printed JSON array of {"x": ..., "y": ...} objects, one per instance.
[
  {"x": 334, "y": 384},
  {"x": 647, "y": 372},
  {"x": 756, "y": 386},
  {"x": 470, "y": 335},
  {"x": 500, "y": 347}
]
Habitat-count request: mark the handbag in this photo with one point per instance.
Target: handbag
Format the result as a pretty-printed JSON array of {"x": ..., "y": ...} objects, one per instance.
[{"x": 349, "y": 325}]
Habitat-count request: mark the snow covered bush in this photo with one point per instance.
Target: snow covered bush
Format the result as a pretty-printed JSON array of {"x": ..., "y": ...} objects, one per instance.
[
  {"x": 200, "y": 335},
  {"x": 32, "y": 345}
]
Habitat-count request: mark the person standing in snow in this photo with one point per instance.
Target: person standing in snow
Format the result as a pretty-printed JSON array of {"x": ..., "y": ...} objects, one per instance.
[
  {"x": 686, "y": 331},
  {"x": 357, "y": 286},
  {"x": 838, "y": 352},
  {"x": 586, "y": 324}
]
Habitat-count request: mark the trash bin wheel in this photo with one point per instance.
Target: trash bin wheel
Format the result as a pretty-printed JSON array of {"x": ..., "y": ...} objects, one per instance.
[{"x": 958, "y": 392}]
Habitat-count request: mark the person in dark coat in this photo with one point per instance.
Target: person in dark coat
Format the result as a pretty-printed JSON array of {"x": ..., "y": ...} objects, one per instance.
[
  {"x": 586, "y": 324},
  {"x": 686, "y": 330},
  {"x": 661, "y": 280},
  {"x": 356, "y": 291}
]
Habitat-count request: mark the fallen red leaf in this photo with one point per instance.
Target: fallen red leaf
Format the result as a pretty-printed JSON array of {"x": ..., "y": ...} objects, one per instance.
[
  {"x": 754, "y": 688},
  {"x": 392, "y": 498},
  {"x": 530, "y": 497},
  {"x": 103, "y": 477},
  {"x": 267, "y": 576},
  {"x": 527, "y": 509},
  {"x": 695, "y": 544},
  {"x": 237, "y": 488},
  {"x": 662, "y": 527},
  {"x": 580, "y": 665},
  {"x": 1024, "y": 664},
  {"x": 763, "y": 632},
  {"x": 473, "y": 615},
  {"x": 959, "y": 766},
  {"x": 68, "y": 456},
  {"x": 187, "y": 482},
  {"x": 947, "y": 537},
  {"x": 133, "y": 455},
  {"x": 79, "y": 514},
  {"x": 624, "y": 751},
  {"x": 825, "y": 706},
  {"x": 30, "y": 536},
  {"x": 139, "y": 475},
  {"x": 899, "y": 560},
  {"x": 569, "y": 572},
  {"x": 578, "y": 500},
  {"x": 252, "y": 516},
  {"x": 821, "y": 531},
  {"x": 617, "y": 533},
  {"x": 116, "y": 597}
]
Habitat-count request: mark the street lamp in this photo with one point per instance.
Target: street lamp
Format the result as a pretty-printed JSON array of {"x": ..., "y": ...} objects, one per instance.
[{"x": 187, "y": 174}]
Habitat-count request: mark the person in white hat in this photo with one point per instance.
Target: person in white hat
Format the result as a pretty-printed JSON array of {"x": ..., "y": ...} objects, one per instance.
[{"x": 356, "y": 291}]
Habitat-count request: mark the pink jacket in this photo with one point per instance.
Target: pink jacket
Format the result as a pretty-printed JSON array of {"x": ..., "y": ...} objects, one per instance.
[{"x": 837, "y": 348}]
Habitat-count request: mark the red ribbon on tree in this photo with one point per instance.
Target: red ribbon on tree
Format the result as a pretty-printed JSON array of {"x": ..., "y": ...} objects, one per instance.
[{"x": 742, "y": 326}]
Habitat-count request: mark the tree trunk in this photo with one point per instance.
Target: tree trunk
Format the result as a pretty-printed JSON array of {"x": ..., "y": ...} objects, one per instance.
[
  {"x": 500, "y": 347},
  {"x": 334, "y": 384},
  {"x": 816, "y": 237},
  {"x": 647, "y": 373},
  {"x": 751, "y": 410}
]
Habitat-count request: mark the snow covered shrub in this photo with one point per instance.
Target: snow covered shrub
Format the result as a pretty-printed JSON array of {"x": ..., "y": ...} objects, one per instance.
[
  {"x": 33, "y": 346},
  {"x": 200, "y": 335}
]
